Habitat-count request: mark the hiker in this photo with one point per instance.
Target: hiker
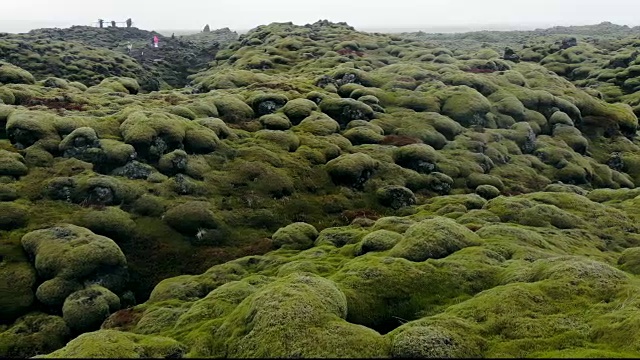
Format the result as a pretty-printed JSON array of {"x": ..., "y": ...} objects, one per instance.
[
  {"x": 113, "y": 24},
  {"x": 155, "y": 41},
  {"x": 129, "y": 47},
  {"x": 101, "y": 22}
]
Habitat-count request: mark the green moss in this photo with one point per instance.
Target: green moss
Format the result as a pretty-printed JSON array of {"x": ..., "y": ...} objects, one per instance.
[
  {"x": 434, "y": 239},
  {"x": 81, "y": 257},
  {"x": 340, "y": 236},
  {"x": 363, "y": 135},
  {"x": 13, "y": 216},
  {"x": 466, "y": 106},
  {"x": 11, "y": 74},
  {"x": 183, "y": 111},
  {"x": 116, "y": 344},
  {"x": 275, "y": 122},
  {"x": 111, "y": 222},
  {"x": 36, "y": 333},
  {"x": 630, "y": 261},
  {"x": 352, "y": 170},
  {"x": 85, "y": 310},
  {"x": 232, "y": 109},
  {"x": 419, "y": 157},
  {"x": 274, "y": 316},
  {"x": 395, "y": 197},
  {"x": 297, "y": 236},
  {"x": 346, "y": 110},
  {"x": 281, "y": 139},
  {"x": 16, "y": 289},
  {"x": 379, "y": 240},
  {"x": 195, "y": 219},
  {"x": 318, "y": 124},
  {"x": 434, "y": 342},
  {"x": 487, "y": 191}
]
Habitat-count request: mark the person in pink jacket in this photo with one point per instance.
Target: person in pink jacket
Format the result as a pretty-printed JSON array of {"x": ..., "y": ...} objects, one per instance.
[{"x": 155, "y": 41}]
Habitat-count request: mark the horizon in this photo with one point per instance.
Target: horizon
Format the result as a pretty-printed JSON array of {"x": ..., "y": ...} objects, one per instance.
[
  {"x": 193, "y": 15},
  {"x": 453, "y": 28}
]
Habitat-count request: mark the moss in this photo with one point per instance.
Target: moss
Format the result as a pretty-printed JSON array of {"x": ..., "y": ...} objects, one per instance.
[
  {"x": 35, "y": 333},
  {"x": 352, "y": 170},
  {"x": 346, "y": 110},
  {"x": 274, "y": 316},
  {"x": 379, "y": 240},
  {"x": 183, "y": 111},
  {"x": 487, "y": 191},
  {"x": 275, "y": 122},
  {"x": 192, "y": 217},
  {"x": 318, "y": 124},
  {"x": 433, "y": 342},
  {"x": 111, "y": 222},
  {"x": 395, "y": 197},
  {"x": 117, "y": 84},
  {"x": 434, "y": 239},
  {"x": 284, "y": 140},
  {"x": 340, "y": 236},
  {"x": 629, "y": 260},
  {"x": 363, "y": 135},
  {"x": 200, "y": 140},
  {"x": 11, "y": 74},
  {"x": 173, "y": 163},
  {"x": 85, "y": 310},
  {"x": 466, "y": 106},
  {"x": 13, "y": 216},
  {"x": 232, "y": 109},
  {"x": 25, "y": 128},
  {"x": 16, "y": 287},
  {"x": 475, "y": 179},
  {"x": 116, "y": 344},
  {"x": 218, "y": 126},
  {"x": 418, "y": 157},
  {"x": 83, "y": 256},
  {"x": 263, "y": 104},
  {"x": 7, "y": 97},
  {"x": 297, "y": 236},
  {"x": 393, "y": 223}
]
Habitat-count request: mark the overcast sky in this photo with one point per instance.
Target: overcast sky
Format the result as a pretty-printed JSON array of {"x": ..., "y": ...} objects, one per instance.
[{"x": 23, "y": 15}]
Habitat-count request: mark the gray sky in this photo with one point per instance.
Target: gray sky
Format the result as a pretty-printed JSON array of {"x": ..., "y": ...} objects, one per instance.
[{"x": 23, "y": 15}]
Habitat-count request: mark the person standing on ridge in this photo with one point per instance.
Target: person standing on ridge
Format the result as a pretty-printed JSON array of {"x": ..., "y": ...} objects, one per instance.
[{"x": 155, "y": 41}]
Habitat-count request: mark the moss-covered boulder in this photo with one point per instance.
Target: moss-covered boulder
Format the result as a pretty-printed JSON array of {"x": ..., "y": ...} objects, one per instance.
[
  {"x": 395, "y": 196},
  {"x": 433, "y": 239},
  {"x": 434, "y": 342},
  {"x": 379, "y": 240},
  {"x": 193, "y": 218},
  {"x": 111, "y": 222},
  {"x": 232, "y": 109},
  {"x": 271, "y": 321},
  {"x": 33, "y": 334},
  {"x": 13, "y": 216},
  {"x": 85, "y": 310},
  {"x": 296, "y": 236},
  {"x": 117, "y": 344},
  {"x": 299, "y": 109},
  {"x": 418, "y": 157},
  {"x": 12, "y": 164},
  {"x": 17, "y": 281},
  {"x": 352, "y": 169},
  {"x": 346, "y": 110},
  {"x": 11, "y": 74},
  {"x": 68, "y": 256}
]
